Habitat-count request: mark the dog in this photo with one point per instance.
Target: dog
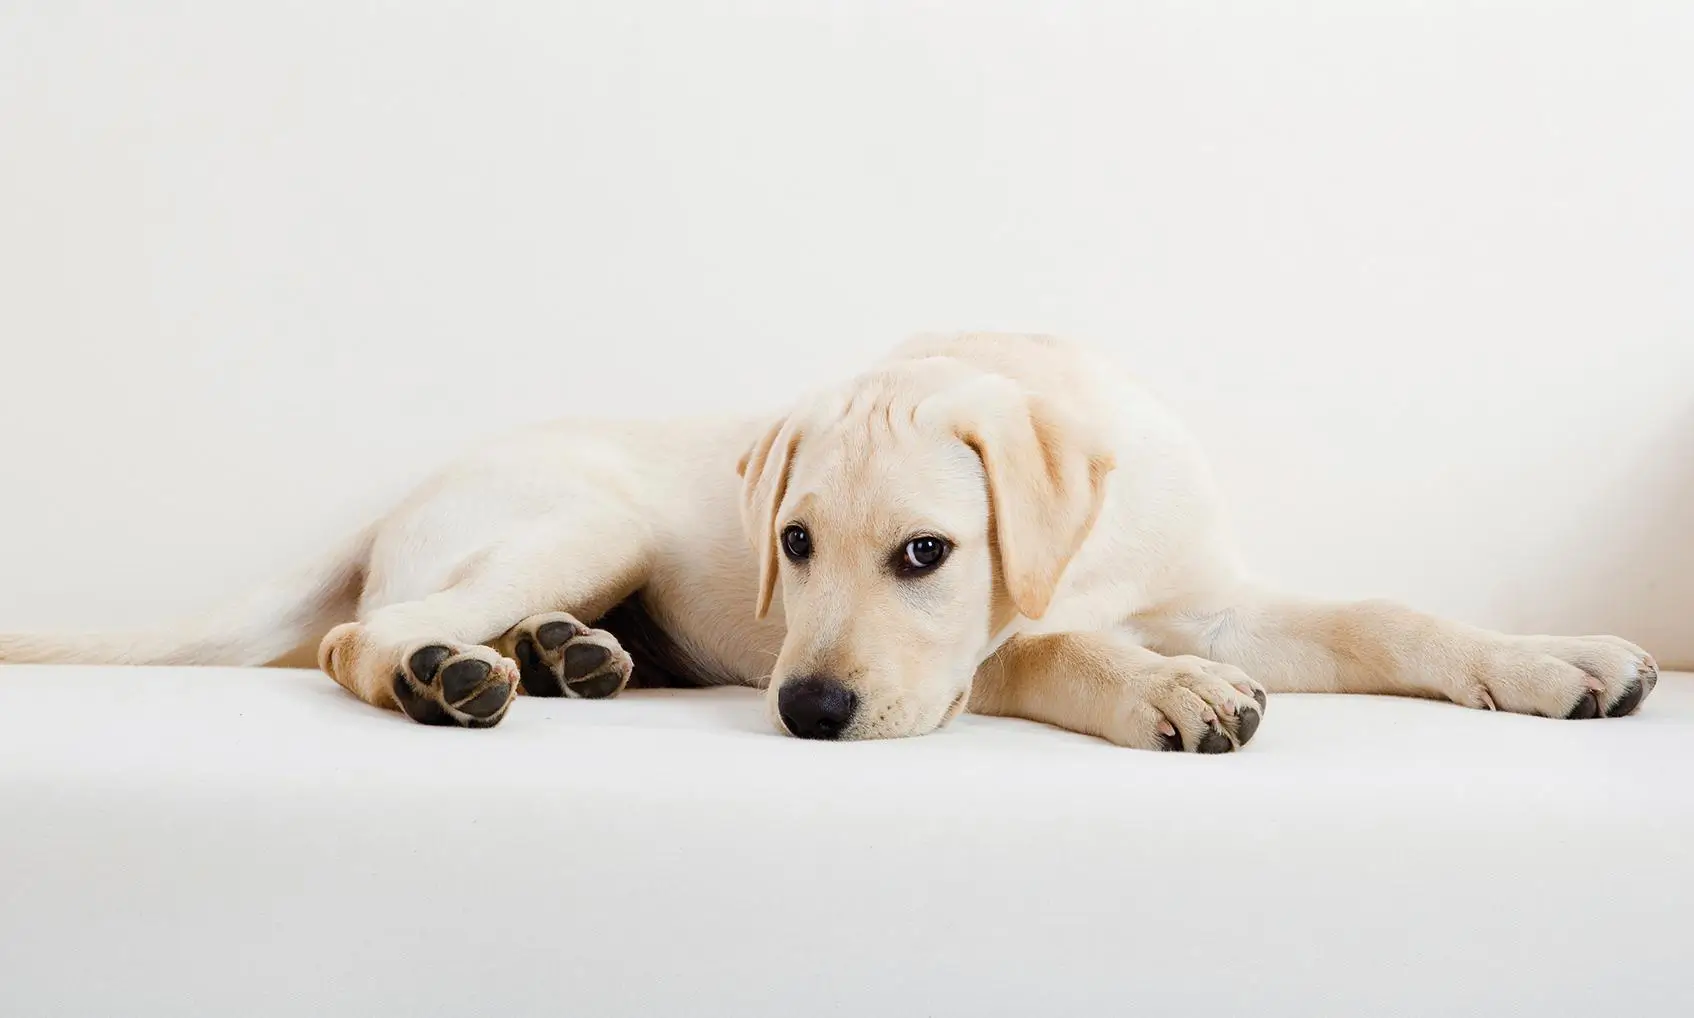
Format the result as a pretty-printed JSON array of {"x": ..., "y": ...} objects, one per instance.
[{"x": 1004, "y": 524}]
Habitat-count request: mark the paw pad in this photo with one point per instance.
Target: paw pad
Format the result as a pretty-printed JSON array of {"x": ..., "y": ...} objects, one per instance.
[
  {"x": 559, "y": 656},
  {"x": 438, "y": 686}
]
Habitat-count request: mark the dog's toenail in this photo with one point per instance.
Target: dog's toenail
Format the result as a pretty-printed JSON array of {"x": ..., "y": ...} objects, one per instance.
[
  {"x": 1214, "y": 741},
  {"x": 1587, "y": 706},
  {"x": 1248, "y": 724},
  {"x": 1630, "y": 700}
]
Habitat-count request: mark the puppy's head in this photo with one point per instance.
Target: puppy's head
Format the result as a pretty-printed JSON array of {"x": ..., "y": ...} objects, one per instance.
[{"x": 907, "y": 519}]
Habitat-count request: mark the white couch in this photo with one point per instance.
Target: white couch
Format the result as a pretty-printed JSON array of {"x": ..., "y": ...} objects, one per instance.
[{"x": 228, "y": 842}]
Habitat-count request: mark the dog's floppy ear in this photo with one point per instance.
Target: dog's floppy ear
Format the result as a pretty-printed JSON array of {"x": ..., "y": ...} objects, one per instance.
[
  {"x": 764, "y": 470},
  {"x": 1046, "y": 481}
]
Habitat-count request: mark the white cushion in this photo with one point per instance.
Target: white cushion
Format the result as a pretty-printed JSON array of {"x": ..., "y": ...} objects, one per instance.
[{"x": 221, "y": 841}]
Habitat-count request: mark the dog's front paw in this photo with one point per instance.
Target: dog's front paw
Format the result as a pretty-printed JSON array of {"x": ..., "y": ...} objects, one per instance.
[
  {"x": 1191, "y": 704},
  {"x": 1563, "y": 677},
  {"x": 559, "y": 656},
  {"x": 471, "y": 687}
]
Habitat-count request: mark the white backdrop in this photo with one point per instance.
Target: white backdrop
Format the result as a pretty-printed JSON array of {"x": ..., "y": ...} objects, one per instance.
[{"x": 1421, "y": 275}]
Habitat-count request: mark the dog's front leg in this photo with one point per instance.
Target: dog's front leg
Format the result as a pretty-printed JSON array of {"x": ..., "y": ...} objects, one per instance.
[
  {"x": 1107, "y": 685},
  {"x": 1294, "y": 644}
]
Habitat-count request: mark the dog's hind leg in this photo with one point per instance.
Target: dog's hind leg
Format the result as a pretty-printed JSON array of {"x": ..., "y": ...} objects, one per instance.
[{"x": 427, "y": 657}]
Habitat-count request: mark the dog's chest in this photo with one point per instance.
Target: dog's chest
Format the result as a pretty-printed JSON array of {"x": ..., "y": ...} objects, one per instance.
[
  {"x": 700, "y": 596},
  {"x": 691, "y": 638}
]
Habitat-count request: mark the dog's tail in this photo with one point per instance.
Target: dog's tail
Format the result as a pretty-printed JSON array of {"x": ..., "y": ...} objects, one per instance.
[{"x": 256, "y": 629}]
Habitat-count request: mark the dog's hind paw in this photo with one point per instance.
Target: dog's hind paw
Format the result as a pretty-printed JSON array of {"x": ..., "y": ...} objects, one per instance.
[
  {"x": 470, "y": 687},
  {"x": 559, "y": 656}
]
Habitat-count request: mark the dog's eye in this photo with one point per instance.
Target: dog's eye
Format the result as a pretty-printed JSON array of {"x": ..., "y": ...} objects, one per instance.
[
  {"x": 923, "y": 553},
  {"x": 796, "y": 542}
]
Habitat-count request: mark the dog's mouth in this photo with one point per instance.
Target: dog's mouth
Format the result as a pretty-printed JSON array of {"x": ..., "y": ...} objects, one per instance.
[{"x": 954, "y": 709}]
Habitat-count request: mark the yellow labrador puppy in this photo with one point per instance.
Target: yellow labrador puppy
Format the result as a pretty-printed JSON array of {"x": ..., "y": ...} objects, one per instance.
[{"x": 1003, "y": 524}]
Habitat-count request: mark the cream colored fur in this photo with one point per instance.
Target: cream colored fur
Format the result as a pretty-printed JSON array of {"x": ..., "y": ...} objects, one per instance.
[{"x": 1091, "y": 583}]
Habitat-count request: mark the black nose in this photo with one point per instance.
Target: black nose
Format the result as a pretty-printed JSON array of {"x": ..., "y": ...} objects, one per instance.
[{"x": 814, "y": 707}]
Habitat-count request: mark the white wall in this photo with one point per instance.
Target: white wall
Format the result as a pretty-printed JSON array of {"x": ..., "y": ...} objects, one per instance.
[{"x": 1422, "y": 275}]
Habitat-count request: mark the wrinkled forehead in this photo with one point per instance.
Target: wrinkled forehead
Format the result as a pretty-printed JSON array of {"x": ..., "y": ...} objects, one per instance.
[{"x": 873, "y": 464}]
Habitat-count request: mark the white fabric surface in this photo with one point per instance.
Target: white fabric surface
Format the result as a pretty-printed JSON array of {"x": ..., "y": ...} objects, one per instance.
[{"x": 232, "y": 842}]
